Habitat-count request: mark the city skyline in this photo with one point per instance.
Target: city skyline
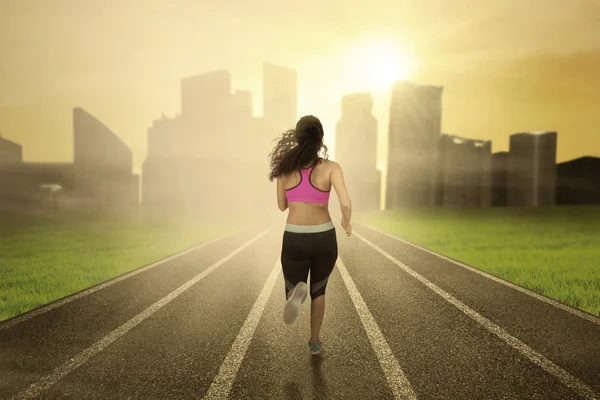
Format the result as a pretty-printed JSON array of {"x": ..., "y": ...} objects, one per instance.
[
  {"x": 546, "y": 82},
  {"x": 445, "y": 169},
  {"x": 330, "y": 136}
]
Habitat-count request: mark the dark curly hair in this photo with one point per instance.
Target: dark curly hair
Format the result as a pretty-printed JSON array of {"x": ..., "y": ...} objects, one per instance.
[{"x": 297, "y": 147}]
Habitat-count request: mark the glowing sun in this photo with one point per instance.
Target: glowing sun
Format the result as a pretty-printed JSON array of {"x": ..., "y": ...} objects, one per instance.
[{"x": 377, "y": 63}]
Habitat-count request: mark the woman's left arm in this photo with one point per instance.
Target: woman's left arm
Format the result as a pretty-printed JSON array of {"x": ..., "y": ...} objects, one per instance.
[{"x": 281, "y": 198}]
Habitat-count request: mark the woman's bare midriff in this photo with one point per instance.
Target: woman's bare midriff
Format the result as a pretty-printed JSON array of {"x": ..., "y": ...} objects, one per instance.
[
  {"x": 308, "y": 214},
  {"x": 301, "y": 213}
]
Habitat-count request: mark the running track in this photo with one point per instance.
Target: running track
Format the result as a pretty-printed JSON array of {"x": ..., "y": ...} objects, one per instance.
[{"x": 400, "y": 322}]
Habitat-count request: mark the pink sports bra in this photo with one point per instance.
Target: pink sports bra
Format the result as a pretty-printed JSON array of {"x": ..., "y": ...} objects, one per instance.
[{"x": 305, "y": 192}]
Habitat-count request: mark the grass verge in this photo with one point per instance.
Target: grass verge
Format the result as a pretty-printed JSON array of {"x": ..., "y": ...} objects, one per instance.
[
  {"x": 48, "y": 255},
  {"x": 553, "y": 251}
]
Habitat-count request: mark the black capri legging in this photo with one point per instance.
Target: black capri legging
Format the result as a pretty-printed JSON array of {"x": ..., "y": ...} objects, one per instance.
[{"x": 308, "y": 248}]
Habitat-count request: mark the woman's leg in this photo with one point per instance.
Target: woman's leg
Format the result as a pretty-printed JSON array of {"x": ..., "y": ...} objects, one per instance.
[
  {"x": 324, "y": 257},
  {"x": 295, "y": 262},
  {"x": 317, "y": 312}
]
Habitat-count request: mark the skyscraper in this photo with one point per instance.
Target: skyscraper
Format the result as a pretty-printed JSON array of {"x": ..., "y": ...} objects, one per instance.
[
  {"x": 578, "y": 181},
  {"x": 414, "y": 131},
  {"x": 242, "y": 126},
  {"x": 243, "y": 104},
  {"x": 206, "y": 98},
  {"x": 464, "y": 172},
  {"x": 500, "y": 179},
  {"x": 163, "y": 137},
  {"x": 160, "y": 173},
  {"x": 97, "y": 146},
  {"x": 10, "y": 152},
  {"x": 280, "y": 112},
  {"x": 207, "y": 102},
  {"x": 356, "y": 150},
  {"x": 356, "y": 133},
  {"x": 102, "y": 163},
  {"x": 194, "y": 157},
  {"x": 100, "y": 175},
  {"x": 532, "y": 169},
  {"x": 280, "y": 98}
]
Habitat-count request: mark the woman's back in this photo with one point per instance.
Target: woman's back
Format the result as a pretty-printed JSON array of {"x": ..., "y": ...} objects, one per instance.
[
  {"x": 308, "y": 213},
  {"x": 309, "y": 245}
]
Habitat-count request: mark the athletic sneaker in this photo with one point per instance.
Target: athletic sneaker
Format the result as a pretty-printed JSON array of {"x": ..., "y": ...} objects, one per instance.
[
  {"x": 292, "y": 307},
  {"x": 315, "y": 348}
]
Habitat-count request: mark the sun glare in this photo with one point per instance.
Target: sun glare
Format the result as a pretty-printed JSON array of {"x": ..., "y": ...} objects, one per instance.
[{"x": 375, "y": 64}]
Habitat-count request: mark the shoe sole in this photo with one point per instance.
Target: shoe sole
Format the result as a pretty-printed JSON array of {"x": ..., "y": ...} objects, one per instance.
[{"x": 292, "y": 307}]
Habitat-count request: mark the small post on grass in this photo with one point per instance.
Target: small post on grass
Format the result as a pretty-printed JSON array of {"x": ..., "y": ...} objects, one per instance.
[{"x": 53, "y": 189}]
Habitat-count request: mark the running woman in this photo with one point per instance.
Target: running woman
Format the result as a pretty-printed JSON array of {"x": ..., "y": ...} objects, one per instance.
[{"x": 304, "y": 182}]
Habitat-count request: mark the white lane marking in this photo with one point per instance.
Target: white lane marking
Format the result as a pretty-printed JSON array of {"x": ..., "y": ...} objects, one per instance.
[
  {"x": 391, "y": 368},
  {"x": 553, "y": 369},
  {"x": 538, "y": 296},
  {"x": 223, "y": 382},
  {"x": 47, "y": 381},
  {"x": 34, "y": 313}
]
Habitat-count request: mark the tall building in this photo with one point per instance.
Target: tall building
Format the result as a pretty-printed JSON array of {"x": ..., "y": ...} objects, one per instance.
[
  {"x": 163, "y": 137},
  {"x": 280, "y": 113},
  {"x": 414, "y": 132},
  {"x": 500, "y": 179},
  {"x": 262, "y": 191},
  {"x": 100, "y": 175},
  {"x": 102, "y": 162},
  {"x": 356, "y": 132},
  {"x": 10, "y": 153},
  {"x": 280, "y": 98},
  {"x": 97, "y": 146},
  {"x": 206, "y": 99},
  {"x": 356, "y": 150},
  {"x": 532, "y": 169},
  {"x": 243, "y": 104},
  {"x": 578, "y": 181},
  {"x": 463, "y": 172},
  {"x": 160, "y": 169},
  {"x": 243, "y": 128},
  {"x": 193, "y": 159},
  {"x": 207, "y": 105}
]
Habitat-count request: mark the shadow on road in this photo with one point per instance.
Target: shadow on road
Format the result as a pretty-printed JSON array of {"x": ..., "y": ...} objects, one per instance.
[
  {"x": 292, "y": 391},
  {"x": 319, "y": 385}
]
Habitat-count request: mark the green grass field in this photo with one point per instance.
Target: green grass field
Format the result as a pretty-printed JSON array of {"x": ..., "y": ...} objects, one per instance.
[
  {"x": 49, "y": 255},
  {"x": 552, "y": 251}
]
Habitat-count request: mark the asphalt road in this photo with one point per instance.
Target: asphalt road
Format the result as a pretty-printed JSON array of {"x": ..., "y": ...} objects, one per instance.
[{"x": 400, "y": 322}]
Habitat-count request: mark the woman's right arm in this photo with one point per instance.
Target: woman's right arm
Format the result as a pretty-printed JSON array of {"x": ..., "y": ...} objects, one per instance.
[{"x": 338, "y": 183}]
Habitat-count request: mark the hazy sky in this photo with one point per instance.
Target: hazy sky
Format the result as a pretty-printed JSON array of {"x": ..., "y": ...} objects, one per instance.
[{"x": 506, "y": 66}]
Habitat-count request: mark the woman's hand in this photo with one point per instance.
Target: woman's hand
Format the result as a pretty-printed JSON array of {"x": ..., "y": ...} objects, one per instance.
[{"x": 347, "y": 227}]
